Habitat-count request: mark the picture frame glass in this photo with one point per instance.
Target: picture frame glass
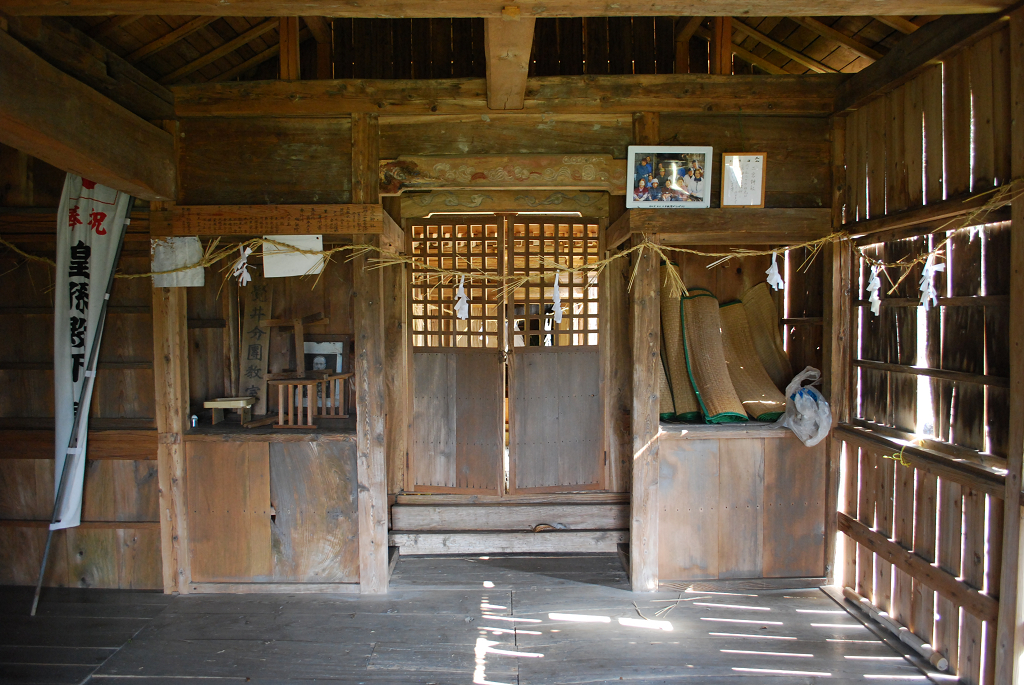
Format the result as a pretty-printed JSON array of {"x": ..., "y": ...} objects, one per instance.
[{"x": 669, "y": 176}]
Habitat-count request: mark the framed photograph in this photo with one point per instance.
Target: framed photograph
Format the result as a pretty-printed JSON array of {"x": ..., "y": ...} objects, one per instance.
[
  {"x": 325, "y": 356},
  {"x": 743, "y": 179},
  {"x": 669, "y": 176}
]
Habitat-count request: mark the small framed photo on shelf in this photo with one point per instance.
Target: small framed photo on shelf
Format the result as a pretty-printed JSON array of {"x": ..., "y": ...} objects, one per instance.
[
  {"x": 743, "y": 179},
  {"x": 669, "y": 177}
]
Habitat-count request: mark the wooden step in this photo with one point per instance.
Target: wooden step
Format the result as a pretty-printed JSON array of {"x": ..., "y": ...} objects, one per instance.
[
  {"x": 508, "y": 517},
  {"x": 530, "y": 498},
  {"x": 457, "y": 542}
]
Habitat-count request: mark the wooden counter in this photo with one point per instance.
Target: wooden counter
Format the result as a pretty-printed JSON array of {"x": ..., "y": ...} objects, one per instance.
[{"x": 739, "y": 501}]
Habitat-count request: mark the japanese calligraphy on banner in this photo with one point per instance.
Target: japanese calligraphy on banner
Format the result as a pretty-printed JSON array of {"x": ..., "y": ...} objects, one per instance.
[
  {"x": 90, "y": 228},
  {"x": 255, "y": 343}
]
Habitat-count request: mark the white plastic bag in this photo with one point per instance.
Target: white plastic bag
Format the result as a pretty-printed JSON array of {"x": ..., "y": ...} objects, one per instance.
[{"x": 807, "y": 413}]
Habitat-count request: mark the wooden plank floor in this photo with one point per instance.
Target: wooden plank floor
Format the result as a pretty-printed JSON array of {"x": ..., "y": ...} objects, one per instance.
[{"x": 515, "y": 620}]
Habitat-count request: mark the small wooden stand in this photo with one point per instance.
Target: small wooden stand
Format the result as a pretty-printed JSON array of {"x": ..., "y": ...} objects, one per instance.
[
  {"x": 242, "y": 404},
  {"x": 297, "y": 326},
  {"x": 330, "y": 389}
]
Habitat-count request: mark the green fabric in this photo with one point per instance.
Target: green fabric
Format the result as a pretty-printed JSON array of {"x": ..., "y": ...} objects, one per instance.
[
  {"x": 724, "y": 417},
  {"x": 770, "y": 416}
]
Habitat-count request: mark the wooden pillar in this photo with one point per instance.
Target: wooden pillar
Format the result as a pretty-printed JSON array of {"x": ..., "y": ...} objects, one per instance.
[
  {"x": 397, "y": 364},
  {"x": 507, "y": 44},
  {"x": 645, "y": 316},
  {"x": 1009, "y": 633},
  {"x": 288, "y": 32},
  {"x": 645, "y": 320},
  {"x": 721, "y": 45},
  {"x": 837, "y": 273},
  {"x": 170, "y": 375},
  {"x": 368, "y": 315}
]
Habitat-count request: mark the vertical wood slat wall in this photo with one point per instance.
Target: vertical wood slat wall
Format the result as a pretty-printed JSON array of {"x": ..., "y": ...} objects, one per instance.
[{"x": 940, "y": 135}]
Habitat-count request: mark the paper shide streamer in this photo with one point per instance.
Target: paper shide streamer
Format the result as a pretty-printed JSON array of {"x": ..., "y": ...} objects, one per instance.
[
  {"x": 556, "y": 300},
  {"x": 241, "y": 268},
  {"x": 774, "y": 279},
  {"x": 461, "y": 301},
  {"x": 929, "y": 296},
  {"x": 874, "y": 285}
]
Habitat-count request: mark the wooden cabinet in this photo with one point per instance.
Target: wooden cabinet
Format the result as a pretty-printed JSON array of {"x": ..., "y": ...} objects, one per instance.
[
  {"x": 272, "y": 512},
  {"x": 740, "y": 502}
]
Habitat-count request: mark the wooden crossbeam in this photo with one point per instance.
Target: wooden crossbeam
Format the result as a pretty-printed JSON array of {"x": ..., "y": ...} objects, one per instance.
[
  {"x": 789, "y": 94},
  {"x": 826, "y": 31},
  {"x": 789, "y": 52},
  {"x": 255, "y": 220},
  {"x": 168, "y": 39},
  {"x": 493, "y": 8},
  {"x": 904, "y": 26},
  {"x": 507, "y": 44},
  {"x": 57, "y": 119},
  {"x": 83, "y": 58},
  {"x": 113, "y": 24},
  {"x": 225, "y": 49}
]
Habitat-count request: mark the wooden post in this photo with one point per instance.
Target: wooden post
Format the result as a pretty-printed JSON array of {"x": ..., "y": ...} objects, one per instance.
[
  {"x": 368, "y": 316},
  {"x": 170, "y": 375},
  {"x": 645, "y": 319},
  {"x": 507, "y": 45},
  {"x": 1009, "y": 635},
  {"x": 288, "y": 33},
  {"x": 836, "y": 339},
  {"x": 645, "y": 313},
  {"x": 721, "y": 45},
  {"x": 396, "y": 381}
]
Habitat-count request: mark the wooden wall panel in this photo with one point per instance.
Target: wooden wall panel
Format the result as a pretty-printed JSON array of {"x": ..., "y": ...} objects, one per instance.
[
  {"x": 504, "y": 135},
  {"x": 432, "y": 438},
  {"x": 798, "y": 152},
  {"x": 740, "y": 507},
  {"x": 120, "y": 490},
  {"x": 229, "y": 511},
  {"x": 27, "y": 487},
  {"x": 479, "y": 421},
  {"x": 688, "y": 525},
  {"x": 794, "y": 502},
  {"x": 314, "y": 530},
  {"x": 265, "y": 161}
]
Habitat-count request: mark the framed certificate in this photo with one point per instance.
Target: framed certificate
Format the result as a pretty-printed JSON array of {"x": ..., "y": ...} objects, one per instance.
[{"x": 743, "y": 179}]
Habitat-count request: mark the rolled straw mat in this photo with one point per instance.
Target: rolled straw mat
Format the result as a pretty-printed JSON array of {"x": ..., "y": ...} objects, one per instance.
[
  {"x": 684, "y": 400},
  {"x": 666, "y": 409},
  {"x": 753, "y": 385},
  {"x": 705, "y": 359},
  {"x": 763, "y": 318}
]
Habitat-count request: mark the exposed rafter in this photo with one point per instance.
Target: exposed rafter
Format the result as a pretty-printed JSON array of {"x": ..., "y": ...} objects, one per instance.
[
  {"x": 169, "y": 39},
  {"x": 493, "y": 8},
  {"x": 255, "y": 60},
  {"x": 226, "y": 49},
  {"x": 902, "y": 25},
  {"x": 746, "y": 55},
  {"x": 113, "y": 24},
  {"x": 793, "y": 54},
  {"x": 826, "y": 31}
]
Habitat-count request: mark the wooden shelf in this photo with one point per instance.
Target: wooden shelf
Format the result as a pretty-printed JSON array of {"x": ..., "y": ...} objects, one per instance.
[
  {"x": 730, "y": 226},
  {"x": 699, "y": 431}
]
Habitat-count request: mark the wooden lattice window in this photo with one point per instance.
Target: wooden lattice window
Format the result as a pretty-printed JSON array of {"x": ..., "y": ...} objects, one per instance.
[
  {"x": 468, "y": 243},
  {"x": 535, "y": 247}
]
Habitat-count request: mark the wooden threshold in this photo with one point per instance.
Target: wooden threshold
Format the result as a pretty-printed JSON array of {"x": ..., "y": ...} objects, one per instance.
[
  {"x": 523, "y": 517},
  {"x": 508, "y": 542},
  {"x": 732, "y": 585},
  {"x": 273, "y": 588},
  {"x": 545, "y": 498}
]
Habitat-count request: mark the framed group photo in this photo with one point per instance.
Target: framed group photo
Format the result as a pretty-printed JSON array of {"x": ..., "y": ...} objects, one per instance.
[{"x": 669, "y": 176}]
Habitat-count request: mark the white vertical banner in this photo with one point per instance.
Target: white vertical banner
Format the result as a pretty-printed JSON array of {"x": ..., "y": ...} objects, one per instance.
[{"x": 90, "y": 227}]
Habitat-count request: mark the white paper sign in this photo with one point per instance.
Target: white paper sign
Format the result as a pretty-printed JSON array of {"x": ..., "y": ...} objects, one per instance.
[
  {"x": 743, "y": 179},
  {"x": 279, "y": 262},
  {"x": 173, "y": 253}
]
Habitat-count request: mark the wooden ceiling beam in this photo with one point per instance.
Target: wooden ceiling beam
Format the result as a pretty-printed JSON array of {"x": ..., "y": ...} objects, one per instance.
[
  {"x": 255, "y": 60},
  {"x": 924, "y": 47},
  {"x": 803, "y": 95},
  {"x": 169, "y": 39},
  {"x": 795, "y": 55},
  {"x": 81, "y": 57},
  {"x": 493, "y": 8},
  {"x": 225, "y": 49},
  {"x": 826, "y": 31},
  {"x": 904, "y": 26},
  {"x": 51, "y": 116},
  {"x": 507, "y": 45},
  {"x": 110, "y": 25}
]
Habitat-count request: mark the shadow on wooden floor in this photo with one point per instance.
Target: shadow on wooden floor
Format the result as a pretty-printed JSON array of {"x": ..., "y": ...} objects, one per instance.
[{"x": 499, "y": 620}]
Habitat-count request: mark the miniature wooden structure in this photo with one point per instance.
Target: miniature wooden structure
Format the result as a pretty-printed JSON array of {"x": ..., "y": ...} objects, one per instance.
[
  {"x": 242, "y": 404},
  {"x": 449, "y": 149}
]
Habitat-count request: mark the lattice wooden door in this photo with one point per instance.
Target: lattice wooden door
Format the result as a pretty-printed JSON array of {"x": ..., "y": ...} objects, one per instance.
[
  {"x": 556, "y": 417},
  {"x": 457, "y": 438}
]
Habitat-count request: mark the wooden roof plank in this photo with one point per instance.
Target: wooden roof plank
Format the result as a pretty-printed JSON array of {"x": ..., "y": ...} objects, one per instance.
[
  {"x": 827, "y": 31},
  {"x": 493, "y": 8},
  {"x": 169, "y": 39},
  {"x": 794, "y": 55},
  {"x": 110, "y": 25},
  {"x": 230, "y": 46},
  {"x": 904, "y": 26}
]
